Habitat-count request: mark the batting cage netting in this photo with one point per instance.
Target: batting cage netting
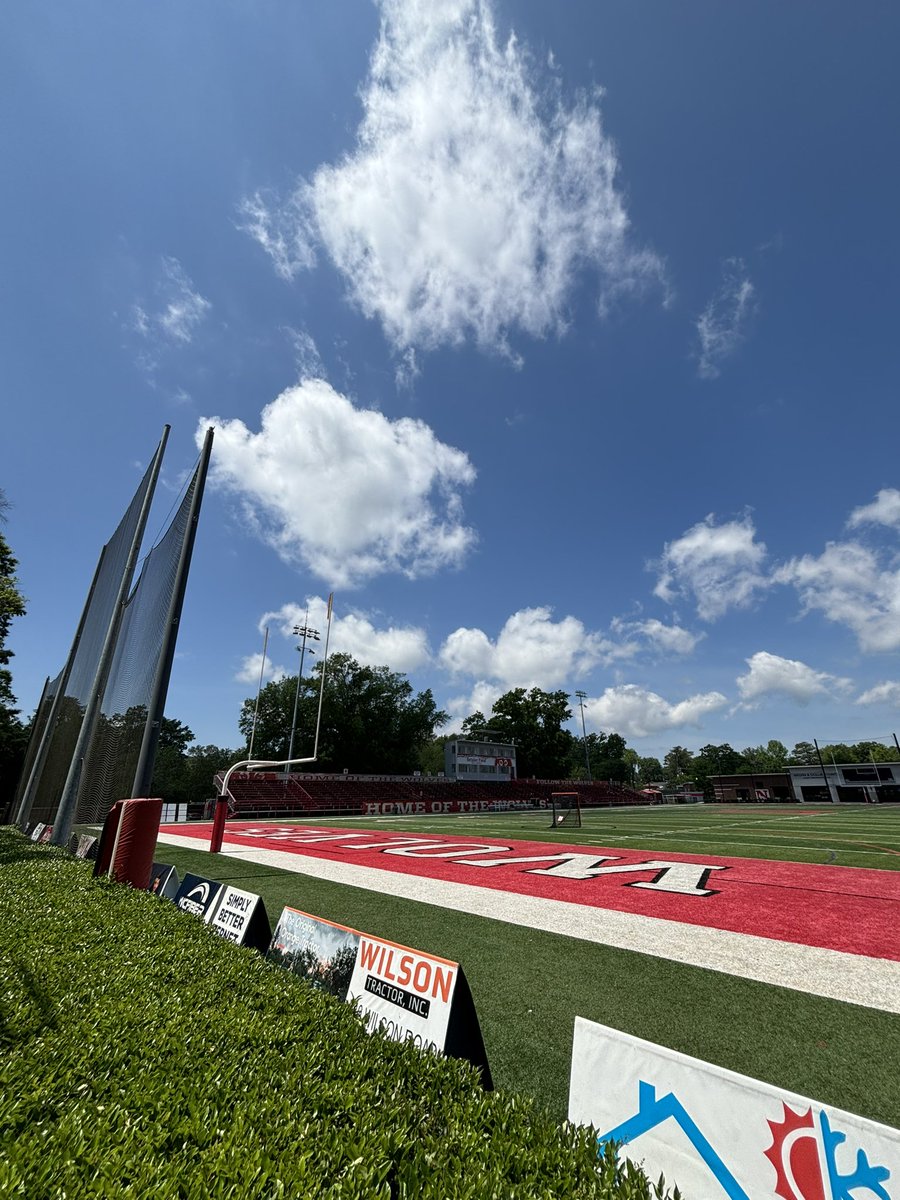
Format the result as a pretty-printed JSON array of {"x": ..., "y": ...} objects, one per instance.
[
  {"x": 51, "y": 746},
  {"x": 96, "y": 729}
]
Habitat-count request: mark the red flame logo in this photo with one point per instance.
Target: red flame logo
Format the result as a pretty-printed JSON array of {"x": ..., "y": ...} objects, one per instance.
[{"x": 794, "y": 1154}]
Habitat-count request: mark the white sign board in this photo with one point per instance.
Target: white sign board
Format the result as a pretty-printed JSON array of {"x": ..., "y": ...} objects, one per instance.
[
  {"x": 402, "y": 992},
  {"x": 234, "y": 913},
  {"x": 715, "y": 1133}
]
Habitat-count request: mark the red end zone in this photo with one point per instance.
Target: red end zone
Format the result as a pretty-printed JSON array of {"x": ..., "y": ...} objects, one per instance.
[{"x": 851, "y": 909}]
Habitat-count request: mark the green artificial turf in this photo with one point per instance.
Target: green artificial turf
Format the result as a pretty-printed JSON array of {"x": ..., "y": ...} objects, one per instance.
[{"x": 528, "y": 986}]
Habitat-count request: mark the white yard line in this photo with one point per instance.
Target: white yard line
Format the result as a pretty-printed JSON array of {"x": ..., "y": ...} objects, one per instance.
[{"x": 872, "y": 982}]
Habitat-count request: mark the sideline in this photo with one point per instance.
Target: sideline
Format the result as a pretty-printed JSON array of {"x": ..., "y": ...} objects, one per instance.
[{"x": 852, "y": 978}]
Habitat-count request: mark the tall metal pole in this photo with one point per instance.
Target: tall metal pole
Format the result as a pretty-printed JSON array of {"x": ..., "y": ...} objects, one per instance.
[
  {"x": 143, "y": 774},
  {"x": 304, "y": 631},
  {"x": 262, "y": 671},
  {"x": 582, "y": 696},
  {"x": 65, "y": 813},
  {"x": 835, "y": 799}
]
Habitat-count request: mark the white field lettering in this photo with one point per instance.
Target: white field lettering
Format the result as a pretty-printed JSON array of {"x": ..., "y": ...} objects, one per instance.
[{"x": 685, "y": 879}]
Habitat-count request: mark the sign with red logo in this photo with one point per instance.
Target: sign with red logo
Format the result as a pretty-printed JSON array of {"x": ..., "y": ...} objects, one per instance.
[{"x": 717, "y": 1134}]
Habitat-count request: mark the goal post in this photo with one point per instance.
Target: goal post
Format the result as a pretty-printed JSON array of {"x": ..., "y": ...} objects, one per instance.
[{"x": 566, "y": 810}]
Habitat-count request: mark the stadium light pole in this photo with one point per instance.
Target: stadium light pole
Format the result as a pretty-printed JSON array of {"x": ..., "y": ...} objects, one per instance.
[
  {"x": 582, "y": 696},
  {"x": 305, "y": 632}
]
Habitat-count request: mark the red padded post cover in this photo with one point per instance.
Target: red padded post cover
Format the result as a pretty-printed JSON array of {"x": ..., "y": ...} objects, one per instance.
[
  {"x": 138, "y": 831},
  {"x": 108, "y": 839}
]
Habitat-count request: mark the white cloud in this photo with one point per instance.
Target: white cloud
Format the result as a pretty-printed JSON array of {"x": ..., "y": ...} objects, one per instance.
[
  {"x": 882, "y": 693},
  {"x": 281, "y": 230},
  {"x": 475, "y": 197},
  {"x": 635, "y": 712},
  {"x": 306, "y": 353},
  {"x": 345, "y": 490},
  {"x": 671, "y": 639},
  {"x": 884, "y": 510},
  {"x": 788, "y": 677},
  {"x": 181, "y": 308},
  {"x": 718, "y": 566},
  {"x": 531, "y": 650},
  {"x": 481, "y": 698},
  {"x": 849, "y": 585},
  {"x": 402, "y": 648},
  {"x": 249, "y": 670},
  {"x": 722, "y": 325}
]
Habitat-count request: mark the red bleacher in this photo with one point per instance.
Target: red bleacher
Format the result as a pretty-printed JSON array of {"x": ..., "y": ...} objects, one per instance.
[{"x": 270, "y": 794}]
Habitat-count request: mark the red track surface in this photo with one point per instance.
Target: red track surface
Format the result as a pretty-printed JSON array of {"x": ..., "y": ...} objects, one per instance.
[{"x": 851, "y": 909}]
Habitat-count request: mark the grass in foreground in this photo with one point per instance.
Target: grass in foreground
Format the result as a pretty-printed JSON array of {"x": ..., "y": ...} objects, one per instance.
[
  {"x": 141, "y": 1056},
  {"x": 528, "y": 987}
]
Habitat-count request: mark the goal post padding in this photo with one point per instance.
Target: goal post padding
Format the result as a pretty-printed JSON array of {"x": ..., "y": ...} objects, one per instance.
[{"x": 566, "y": 809}]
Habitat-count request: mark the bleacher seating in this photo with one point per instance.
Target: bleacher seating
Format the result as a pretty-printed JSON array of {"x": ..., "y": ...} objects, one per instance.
[{"x": 271, "y": 794}]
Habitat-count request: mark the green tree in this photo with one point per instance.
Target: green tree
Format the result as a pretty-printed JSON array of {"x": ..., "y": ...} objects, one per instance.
[
  {"x": 761, "y": 759},
  {"x": 372, "y": 721},
  {"x": 650, "y": 770},
  {"x": 803, "y": 755},
  {"x": 534, "y": 721},
  {"x": 13, "y": 733},
  {"x": 715, "y": 760},
  {"x": 678, "y": 766}
]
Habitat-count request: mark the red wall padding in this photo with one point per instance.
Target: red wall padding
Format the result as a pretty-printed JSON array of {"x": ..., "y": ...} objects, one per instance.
[{"x": 139, "y": 829}]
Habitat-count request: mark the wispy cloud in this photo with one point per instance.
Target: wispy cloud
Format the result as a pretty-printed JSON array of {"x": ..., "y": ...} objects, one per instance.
[
  {"x": 635, "y": 712},
  {"x": 716, "y": 566},
  {"x": 345, "y": 490},
  {"x": 401, "y": 647},
  {"x": 788, "y": 677},
  {"x": 851, "y": 585},
  {"x": 178, "y": 309},
  {"x": 722, "y": 325},
  {"x": 884, "y": 510},
  {"x": 475, "y": 197},
  {"x": 248, "y": 672},
  {"x": 882, "y": 693}
]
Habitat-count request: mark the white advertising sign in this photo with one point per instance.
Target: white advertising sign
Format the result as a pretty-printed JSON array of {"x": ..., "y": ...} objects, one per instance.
[
  {"x": 402, "y": 992},
  {"x": 715, "y": 1133},
  {"x": 233, "y": 913}
]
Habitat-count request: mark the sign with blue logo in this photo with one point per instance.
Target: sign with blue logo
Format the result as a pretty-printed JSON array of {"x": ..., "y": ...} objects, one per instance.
[{"x": 717, "y": 1134}]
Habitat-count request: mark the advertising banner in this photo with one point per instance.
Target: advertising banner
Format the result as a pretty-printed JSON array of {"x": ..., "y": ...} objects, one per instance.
[
  {"x": 241, "y": 917},
  {"x": 405, "y": 994},
  {"x": 715, "y": 1133},
  {"x": 164, "y": 881},
  {"x": 87, "y": 847},
  {"x": 37, "y": 832},
  {"x": 198, "y": 896}
]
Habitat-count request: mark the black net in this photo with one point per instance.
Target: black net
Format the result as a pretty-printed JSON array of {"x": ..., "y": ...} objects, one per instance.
[
  {"x": 57, "y": 755},
  {"x": 115, "y": 746}
]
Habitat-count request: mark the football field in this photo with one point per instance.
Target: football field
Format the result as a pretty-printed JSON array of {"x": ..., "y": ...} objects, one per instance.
[{"x": 402, "y": 878}]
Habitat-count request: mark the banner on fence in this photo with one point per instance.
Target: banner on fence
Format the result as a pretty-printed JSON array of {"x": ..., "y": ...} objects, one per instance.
[
  {"x": 38, "y": 832},
  {"x": 715, "y": 1133},
  {"x": 404, "y": 993},
  {"x": 241, "y": 917}
]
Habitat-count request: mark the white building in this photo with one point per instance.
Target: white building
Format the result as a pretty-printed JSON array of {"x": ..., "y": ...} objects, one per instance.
[{"x": 851, "y": 783}]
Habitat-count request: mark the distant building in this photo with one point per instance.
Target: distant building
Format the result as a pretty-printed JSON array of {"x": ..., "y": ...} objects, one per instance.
[
  {"x": 853, "y": 783},
  {"x": 848, "y": 783},
  {"x": 467, "y": 759}
]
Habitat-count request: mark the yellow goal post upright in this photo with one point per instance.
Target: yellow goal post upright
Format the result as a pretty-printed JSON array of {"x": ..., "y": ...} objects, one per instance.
[{"x": 566, "y": 810}]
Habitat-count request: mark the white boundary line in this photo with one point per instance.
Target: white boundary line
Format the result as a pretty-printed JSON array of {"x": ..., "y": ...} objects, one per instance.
[{"x": 854, "y": 978}]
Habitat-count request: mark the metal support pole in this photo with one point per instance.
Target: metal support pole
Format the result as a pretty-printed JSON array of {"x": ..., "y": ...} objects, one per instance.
[
  {"x": 835, "y": 799},
  {"x": 143, "y": 774},
  {"x": 262, "y": 671},
  {"x": 582, "y": 696},
  {"x": 306, "y": 632}
]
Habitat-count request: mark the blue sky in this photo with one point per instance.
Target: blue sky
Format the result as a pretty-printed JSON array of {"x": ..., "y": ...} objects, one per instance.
[{"x": 559, "y": 341}]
